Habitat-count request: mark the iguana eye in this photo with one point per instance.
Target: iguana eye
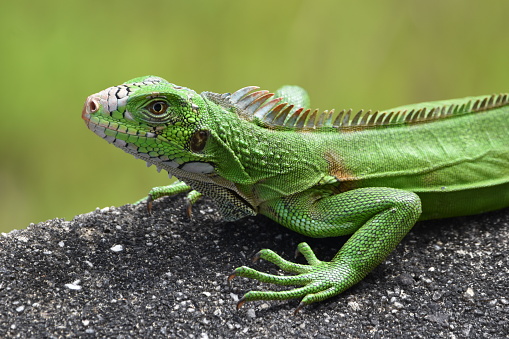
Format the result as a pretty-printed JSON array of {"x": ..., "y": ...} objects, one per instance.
[{"x": 158, "y": 107}]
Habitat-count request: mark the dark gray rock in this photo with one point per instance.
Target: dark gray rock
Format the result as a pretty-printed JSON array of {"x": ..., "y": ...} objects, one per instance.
[{"x": 120, "y": 272}]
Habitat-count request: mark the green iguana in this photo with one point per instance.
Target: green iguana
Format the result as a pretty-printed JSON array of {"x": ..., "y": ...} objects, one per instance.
[{"x": 371, "y": 174}]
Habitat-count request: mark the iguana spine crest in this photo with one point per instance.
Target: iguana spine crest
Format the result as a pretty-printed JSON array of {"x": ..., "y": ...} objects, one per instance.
[{"x": 258, "y": 106}]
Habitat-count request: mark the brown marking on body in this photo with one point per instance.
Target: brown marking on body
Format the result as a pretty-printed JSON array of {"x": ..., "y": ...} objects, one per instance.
[{"x": 337, "y": 169}]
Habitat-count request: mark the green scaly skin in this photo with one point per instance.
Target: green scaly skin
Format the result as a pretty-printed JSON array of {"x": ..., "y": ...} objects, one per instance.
[{"x": 371, "y": 174}]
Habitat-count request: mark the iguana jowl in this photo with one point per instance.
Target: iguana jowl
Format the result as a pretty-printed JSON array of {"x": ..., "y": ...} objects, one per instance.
[{"x": 368, "y": 174}]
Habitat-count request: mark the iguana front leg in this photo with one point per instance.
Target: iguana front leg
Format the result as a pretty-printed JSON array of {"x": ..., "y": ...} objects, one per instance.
[
  {"x": 378, "y": 218},
  {"x": 169, "y": 190}
]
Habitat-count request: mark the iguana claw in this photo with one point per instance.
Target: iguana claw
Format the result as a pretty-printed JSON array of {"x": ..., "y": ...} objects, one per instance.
[
  {"x": 300, "y": 307},
  {"x": 189, "y": 209},
  {"x": 231, "y": 276},
  {"x": 149, "y": 203},
  {"x": 256, "y": 257},
  {"x": 240, "y": 303}
]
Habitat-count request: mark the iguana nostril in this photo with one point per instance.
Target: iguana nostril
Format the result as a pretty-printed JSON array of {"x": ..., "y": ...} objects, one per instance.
[{"x": 92, "y": 104}]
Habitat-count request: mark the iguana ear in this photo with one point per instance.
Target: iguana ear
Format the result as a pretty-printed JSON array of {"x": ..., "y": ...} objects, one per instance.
[{"x": 199, "y": 140}]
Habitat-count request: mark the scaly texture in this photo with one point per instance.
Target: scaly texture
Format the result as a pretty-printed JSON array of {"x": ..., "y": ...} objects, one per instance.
[{"x": 371, "y": 174}]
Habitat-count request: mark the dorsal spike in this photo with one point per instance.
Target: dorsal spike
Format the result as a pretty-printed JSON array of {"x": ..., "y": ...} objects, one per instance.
[
  {"x": 378, "y": 118},
  {"x": 366, "y": 117},
  {"x": 369, "y": 118},
  {"x": 438, "y": 112},
  {"x": 267, "y": 112},
  {"x": 339, "y": 118},
  {"x": 328, "y": 120},
  {"x": 250, "y": 98},
  {"x": 491, "y": 100},
  {"x": 253, "y": 107},
  {"x": 500, "y": 99},
  {"x": 346, "y": 118},
  {"x": 503, "y": 99},
  {"x": 303, "y": 116},
  {"x": 311, "y": 122},
  {"x": 322, "y": 118},
  {"x": 482, "y": 106},
  {"x": 422, "y": 115},
  {"x": 356, "y": 118},
  {"x": 399, "y": 116},
  {"x": 476, "y": 105},
  {"x": 281, "y": 117},
  {"x": 408, "y": 115},
  {"x": 292, "y": 119},
  {"x": 387, "y": 119},
  {"x": 443, "y": 111},
  {"x": 413, "y": 116},
  {"x": 237, "y": 95}
]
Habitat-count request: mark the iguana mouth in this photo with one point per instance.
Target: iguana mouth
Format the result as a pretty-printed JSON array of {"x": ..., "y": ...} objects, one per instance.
[
  {"x": 110, "y": 131},
  {"x": 101, "y": 126}
]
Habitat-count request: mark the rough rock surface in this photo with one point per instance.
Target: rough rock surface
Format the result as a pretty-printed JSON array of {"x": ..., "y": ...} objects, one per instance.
[{"x": 120, "y": 272}]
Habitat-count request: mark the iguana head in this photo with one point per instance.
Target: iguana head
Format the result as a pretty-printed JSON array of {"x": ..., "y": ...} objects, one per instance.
[{"x": 153, "y": 120}]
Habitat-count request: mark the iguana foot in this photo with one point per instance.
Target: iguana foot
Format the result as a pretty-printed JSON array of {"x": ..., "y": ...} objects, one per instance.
[
  {"x": 320, "y": 279},
  {"x": 173, "y": 189}
]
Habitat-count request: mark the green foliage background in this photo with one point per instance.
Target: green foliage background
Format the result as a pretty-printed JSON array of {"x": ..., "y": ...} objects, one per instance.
[{"x": 359, "y": 54}]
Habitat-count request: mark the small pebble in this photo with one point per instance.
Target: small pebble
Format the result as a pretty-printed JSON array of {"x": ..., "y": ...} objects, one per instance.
[
  {"x": 117, "y": 248},
  {"x": 74, "y": 285},
  {"x": 469, "y": 293}
]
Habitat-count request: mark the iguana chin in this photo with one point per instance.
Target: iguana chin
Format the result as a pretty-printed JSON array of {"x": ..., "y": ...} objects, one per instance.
[{"x": 371, "y": 174}]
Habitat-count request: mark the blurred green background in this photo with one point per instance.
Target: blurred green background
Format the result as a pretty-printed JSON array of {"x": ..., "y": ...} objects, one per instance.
[{"x": 364, "y": 54}]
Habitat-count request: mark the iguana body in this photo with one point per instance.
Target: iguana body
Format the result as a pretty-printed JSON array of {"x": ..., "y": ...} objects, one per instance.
[{"x": 369, "y": 174}]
